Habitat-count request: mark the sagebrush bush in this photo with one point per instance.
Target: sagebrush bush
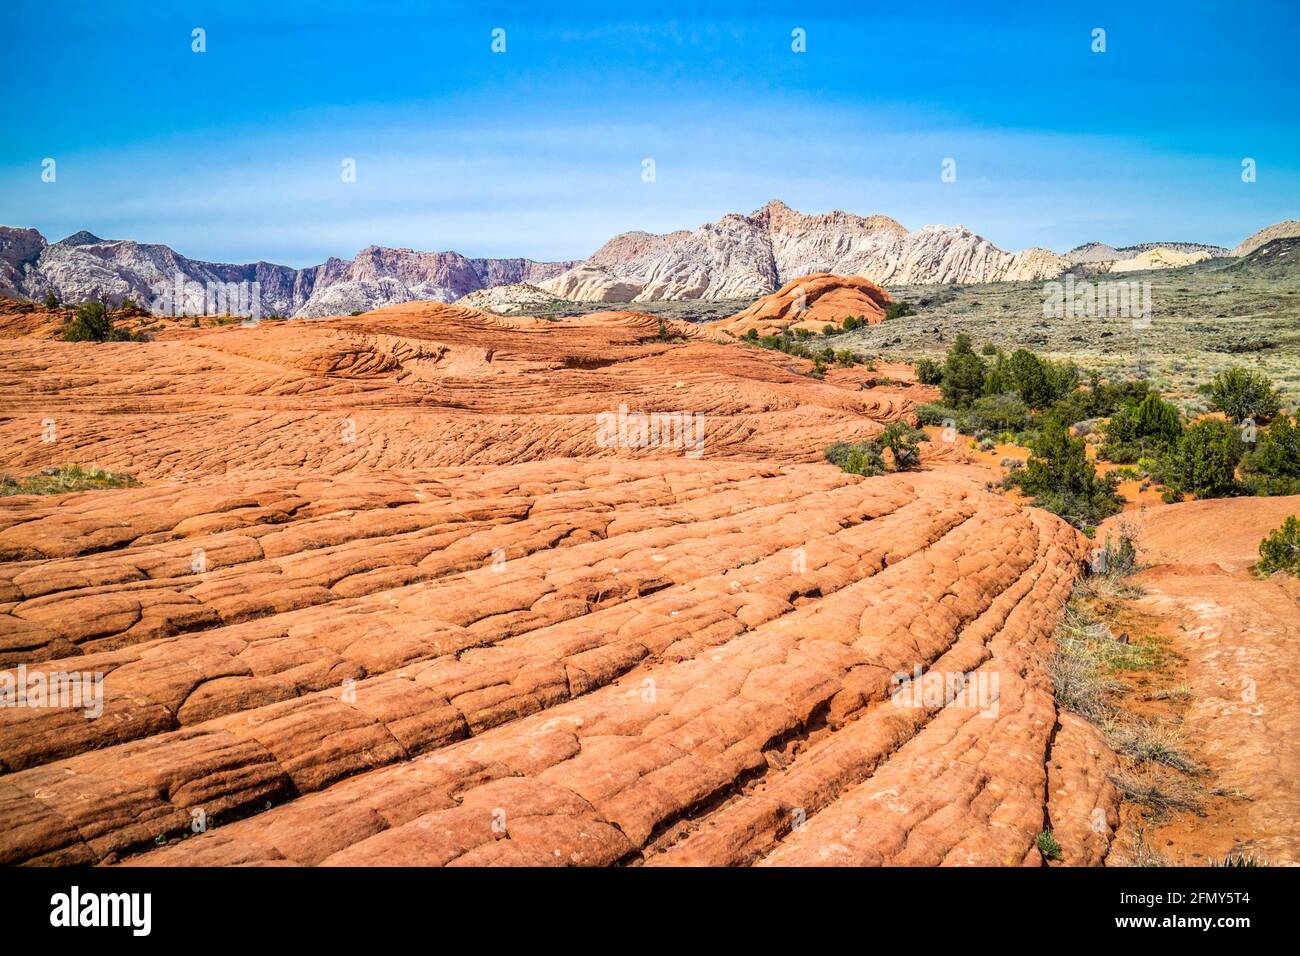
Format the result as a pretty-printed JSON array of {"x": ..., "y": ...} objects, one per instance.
[
  {"x": 1005, "y": 412},
  {"x": 942, "y": 416},
  {"x": 862, "y": 458}
]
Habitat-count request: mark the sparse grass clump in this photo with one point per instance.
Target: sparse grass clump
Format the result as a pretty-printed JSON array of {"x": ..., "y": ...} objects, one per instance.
[
  {"x": 1151, "y": 742},
  {"x": 1047, "y": 846},
  {"x": 1238, "y": 860},
  {"x": 1162, "y": 792},
  {"x": 65, "y": 479},
  {"x": 1085, "y": 649},
  {"x": 1111, "y": 566}
]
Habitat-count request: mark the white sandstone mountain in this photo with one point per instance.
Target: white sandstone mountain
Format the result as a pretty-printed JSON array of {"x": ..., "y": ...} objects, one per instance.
[{"x": 747, "y": 256}]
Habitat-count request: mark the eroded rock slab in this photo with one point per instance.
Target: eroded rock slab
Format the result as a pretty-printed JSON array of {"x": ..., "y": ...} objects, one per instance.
[{"x": 469, "y": 632}]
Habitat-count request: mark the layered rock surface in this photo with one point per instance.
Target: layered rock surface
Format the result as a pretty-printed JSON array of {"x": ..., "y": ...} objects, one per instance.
[
  {"x": 389, "y": 595},
  {"x": 811, "y": 302}
]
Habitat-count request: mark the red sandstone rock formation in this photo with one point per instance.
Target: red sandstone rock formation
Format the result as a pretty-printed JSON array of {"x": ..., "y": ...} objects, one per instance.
[
  {"x": 811, "y": 302},
  {"x": 387, "y": 597}
]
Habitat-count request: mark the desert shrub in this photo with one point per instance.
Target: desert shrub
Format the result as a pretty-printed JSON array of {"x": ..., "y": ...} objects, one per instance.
[
  {"x": 1241, "y": 394},
  {"x": 1273, "y": 467},
  {"x": 1005, "y": 412},
  {"x": 852, "y": 323},
  {"x": 51, "y": 300},
  {"x": 1097, "y": 399},
  {"x": 803, "y": 334},
  {"x": 1059, "y": 478},
  {"x": 92, "y": 323},
  {"x": 942, "y": 416},
  {"x": 752, "y": 335},
  {"x": 796, "y": 345},
  {"x": 901, "y": 440},
  {"x": 1117, "y": 557},
  {"x": 963, "y": 374},
  {"x": 928, "y": 371},
  {"x": 898, "y": 309},
  {"x": 1280, "y": 551},
  {"x": 861, "y": 458},
  {"x": 1146, "y": 429},
  {"x": 1038, "y": 382},
  {"x": 1202, "y": 462}
]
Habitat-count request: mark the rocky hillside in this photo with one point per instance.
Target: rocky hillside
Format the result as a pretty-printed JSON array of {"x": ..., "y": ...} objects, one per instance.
[
  {"x": 1160, "y": 257},
  {"x": 84, "y": 266},
  {"x": 748, "y": 256},
  {"x": 1100, "y": 253},
  {"x": 811, "y": 303},
  {"x": 513, "y": 299},
  {"x": 1276, "y": 259},
  {"x": 1287, "y": 229}
]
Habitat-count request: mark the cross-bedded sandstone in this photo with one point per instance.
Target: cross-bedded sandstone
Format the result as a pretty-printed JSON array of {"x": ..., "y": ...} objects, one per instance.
[{"x": 468, "y": 631}]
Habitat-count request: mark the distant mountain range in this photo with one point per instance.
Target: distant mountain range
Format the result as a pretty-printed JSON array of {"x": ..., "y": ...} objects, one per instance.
[
  {"x": 738, "y": 256},
  {"x": 83, "y": 266},
  {"x": 1100, "y": 252}
]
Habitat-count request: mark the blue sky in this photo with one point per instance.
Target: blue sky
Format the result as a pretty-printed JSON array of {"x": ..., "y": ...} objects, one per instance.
[{"x": 235, "y": 154}]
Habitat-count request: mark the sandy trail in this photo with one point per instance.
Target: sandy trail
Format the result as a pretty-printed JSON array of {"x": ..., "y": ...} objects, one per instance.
[{"x": 1240, "y": 636}]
